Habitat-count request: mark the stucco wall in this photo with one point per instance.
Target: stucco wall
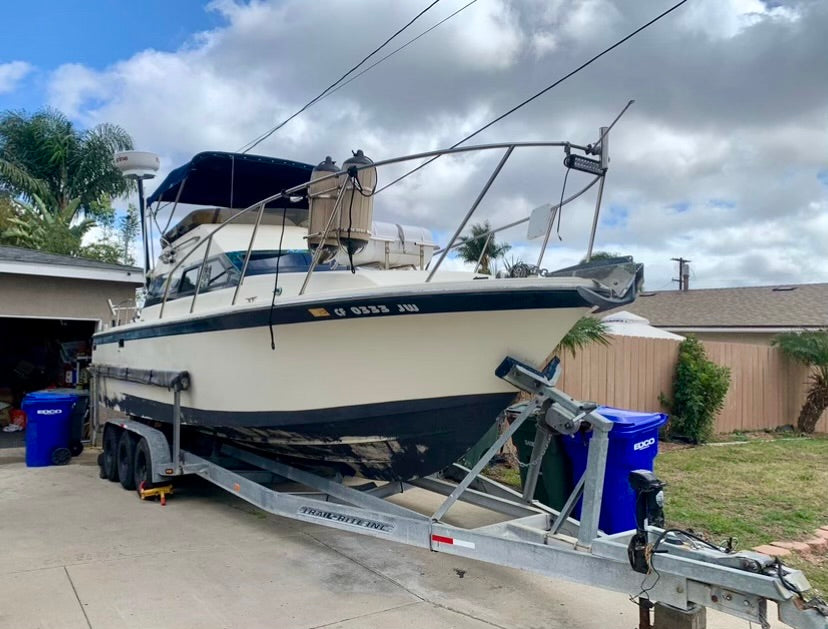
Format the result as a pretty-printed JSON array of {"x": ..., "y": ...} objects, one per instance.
[{"x": 57, "y": 297}]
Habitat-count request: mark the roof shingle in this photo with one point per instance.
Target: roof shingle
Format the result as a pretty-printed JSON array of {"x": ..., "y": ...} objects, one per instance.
[
  {"x": 798, "y": 305},
  {"x": 31, "y": 256}
]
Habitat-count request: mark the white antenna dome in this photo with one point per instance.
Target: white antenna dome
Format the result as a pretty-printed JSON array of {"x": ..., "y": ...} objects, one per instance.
[{"x": 137, "y": 164}]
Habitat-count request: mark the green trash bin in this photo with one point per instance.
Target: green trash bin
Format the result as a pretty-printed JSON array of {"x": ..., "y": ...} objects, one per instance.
[
  {"x": 553, "y": 479},
  {"x": 477, "y": 451}
]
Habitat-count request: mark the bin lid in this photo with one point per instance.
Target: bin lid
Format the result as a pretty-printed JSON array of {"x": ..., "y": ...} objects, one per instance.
[
  {"x": 627, "y": 421},
  {"x": 78, "y": 393},
  {"x": 51, "y": 396}
]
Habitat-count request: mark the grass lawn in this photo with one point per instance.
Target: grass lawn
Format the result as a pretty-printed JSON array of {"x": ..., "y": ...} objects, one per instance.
[{"x": 759, "y": 492}]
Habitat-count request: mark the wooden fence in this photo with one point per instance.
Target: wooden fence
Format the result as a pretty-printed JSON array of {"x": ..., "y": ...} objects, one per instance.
[{"x": 766, "y": 388}]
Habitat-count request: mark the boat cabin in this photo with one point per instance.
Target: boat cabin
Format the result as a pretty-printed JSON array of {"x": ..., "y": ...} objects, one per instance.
[{"x": 232, "y": 183}]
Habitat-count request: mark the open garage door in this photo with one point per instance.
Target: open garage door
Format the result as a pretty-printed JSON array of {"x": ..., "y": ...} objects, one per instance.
[{"x": 35, "y": 354}]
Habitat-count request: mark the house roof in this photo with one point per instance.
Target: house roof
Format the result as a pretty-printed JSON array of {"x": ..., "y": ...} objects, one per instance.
[
  {"x": 19, "y": 261},
  {"x": 772, "y": 307}
]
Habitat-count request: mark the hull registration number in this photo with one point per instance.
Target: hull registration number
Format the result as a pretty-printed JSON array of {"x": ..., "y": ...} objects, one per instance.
[{"x": 360, "y": 311}]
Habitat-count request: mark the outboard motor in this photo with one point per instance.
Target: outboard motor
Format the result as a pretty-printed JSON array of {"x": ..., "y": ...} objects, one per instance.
[{"x": 649, "y": 509}]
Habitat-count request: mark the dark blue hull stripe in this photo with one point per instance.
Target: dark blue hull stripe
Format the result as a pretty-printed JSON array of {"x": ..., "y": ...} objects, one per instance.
[
  {"x": 384, "y": 441},
  {"x": 332, "y": 309}
]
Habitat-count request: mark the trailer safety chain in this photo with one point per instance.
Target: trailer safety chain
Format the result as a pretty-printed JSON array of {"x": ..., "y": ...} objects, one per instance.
[{"x": 815, "y": 602}]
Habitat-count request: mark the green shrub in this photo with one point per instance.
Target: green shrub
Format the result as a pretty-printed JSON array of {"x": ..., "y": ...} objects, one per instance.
[{"x": 699, "y": 390}]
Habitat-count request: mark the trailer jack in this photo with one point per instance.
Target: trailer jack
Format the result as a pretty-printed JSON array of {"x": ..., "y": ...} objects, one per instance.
[
  {"x": 649, "y": 503},
  {"x": 153, "y": 490}
]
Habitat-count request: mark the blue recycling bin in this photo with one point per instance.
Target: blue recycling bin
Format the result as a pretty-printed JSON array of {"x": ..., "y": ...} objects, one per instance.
[
  {"x": 48, "y": 424},
  {"x": 633, "y": 445}
]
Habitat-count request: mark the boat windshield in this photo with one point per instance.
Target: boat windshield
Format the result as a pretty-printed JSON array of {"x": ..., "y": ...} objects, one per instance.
[{"x": 224, "y": 270}]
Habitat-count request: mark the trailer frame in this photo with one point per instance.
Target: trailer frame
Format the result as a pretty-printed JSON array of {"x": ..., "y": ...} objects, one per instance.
[{"x": 534, "y": 538}]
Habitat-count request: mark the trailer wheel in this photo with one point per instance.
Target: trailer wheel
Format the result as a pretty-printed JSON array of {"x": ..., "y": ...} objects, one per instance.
[
  {"x": 109, "y": 461},
  {"x": 143, "y": 464},
  {"x": 126, "y": 458}
]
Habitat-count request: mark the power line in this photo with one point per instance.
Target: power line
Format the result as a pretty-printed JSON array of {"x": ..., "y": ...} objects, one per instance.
[
  {"x": 396, "y": 50},
  {"x": 267, "y": 134},
  {"x": 543, "y": 91}
]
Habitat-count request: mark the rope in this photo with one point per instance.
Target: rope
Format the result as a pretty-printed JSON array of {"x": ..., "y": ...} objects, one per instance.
[{"x": 276, "y": 283}]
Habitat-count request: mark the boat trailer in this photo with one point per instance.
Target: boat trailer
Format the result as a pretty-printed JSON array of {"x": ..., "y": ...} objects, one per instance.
[{"x": 675, "y": 569}]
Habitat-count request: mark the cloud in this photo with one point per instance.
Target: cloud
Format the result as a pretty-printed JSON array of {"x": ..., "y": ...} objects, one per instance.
[
  {"x": 728, "y": 125},
  {"x": 12, "y": 73}
]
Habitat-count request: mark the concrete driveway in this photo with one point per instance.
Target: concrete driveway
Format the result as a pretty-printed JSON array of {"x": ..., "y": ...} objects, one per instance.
[{"x": 80, "y": 552}]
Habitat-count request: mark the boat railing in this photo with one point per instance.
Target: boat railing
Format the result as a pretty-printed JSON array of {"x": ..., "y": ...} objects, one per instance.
[
  {"x": 122, "y": 312},
  {"x": 599, "y": 170}
]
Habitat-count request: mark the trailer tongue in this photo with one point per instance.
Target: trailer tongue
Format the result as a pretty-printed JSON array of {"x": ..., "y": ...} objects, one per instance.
[{"x": 651, "y": 563}]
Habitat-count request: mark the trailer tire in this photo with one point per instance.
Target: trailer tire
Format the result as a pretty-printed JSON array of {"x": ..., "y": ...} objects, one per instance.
[
  {"x": 109, "y": 461},
  {"x": 142, "y": 467},
  {"x": 126, "y": 459}
]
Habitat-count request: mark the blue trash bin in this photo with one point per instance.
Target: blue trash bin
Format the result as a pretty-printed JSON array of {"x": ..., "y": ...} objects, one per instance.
[
  {"x": 48, "y": 424},
  {"x": 633, "y": 445}
]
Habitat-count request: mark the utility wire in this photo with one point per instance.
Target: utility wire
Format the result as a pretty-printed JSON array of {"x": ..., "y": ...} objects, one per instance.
[
  {"x": 396, "y": 50},
  {"x": 540, "y": 93},
  {"x": 264, "y": 136}
]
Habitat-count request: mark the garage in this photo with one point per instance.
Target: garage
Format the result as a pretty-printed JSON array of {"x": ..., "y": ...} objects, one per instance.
[{"x": 50, "y": 306}]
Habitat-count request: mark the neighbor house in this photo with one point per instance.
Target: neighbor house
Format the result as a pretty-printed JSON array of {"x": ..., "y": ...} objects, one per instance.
[{"x": 752, "y": 314}]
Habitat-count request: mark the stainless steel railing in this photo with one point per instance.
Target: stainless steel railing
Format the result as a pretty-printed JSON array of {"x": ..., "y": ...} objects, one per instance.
[{"x": 454, "y": 242}]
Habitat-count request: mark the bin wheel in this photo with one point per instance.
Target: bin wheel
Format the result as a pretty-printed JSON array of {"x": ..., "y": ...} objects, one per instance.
[
  {"x": 109, "y": 467},
  {"x": 61, "y": 456},
  {"x": 143, "y": 463},
  {"x": 126, "y": 458},
  {"x": 76, "y": 448}
]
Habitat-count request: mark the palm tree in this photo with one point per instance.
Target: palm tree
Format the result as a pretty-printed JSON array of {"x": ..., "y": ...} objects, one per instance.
[
  {"x": 44, "y": 154},
  {"x": 602, "y": 255},
  {"x": 810, "y": 349},
  {"x": 473, "y": 246},
  {"x": 34, "y": 226}
]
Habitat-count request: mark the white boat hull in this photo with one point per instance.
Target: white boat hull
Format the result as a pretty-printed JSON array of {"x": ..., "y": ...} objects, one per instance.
[{"x": 373, "y": 393}]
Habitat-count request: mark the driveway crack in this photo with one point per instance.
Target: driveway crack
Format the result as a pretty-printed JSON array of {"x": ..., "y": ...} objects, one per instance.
[{"x": 77, "y": 598}]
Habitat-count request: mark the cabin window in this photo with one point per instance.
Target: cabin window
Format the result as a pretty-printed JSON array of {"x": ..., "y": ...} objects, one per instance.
[
  {"x": 264, "y": 262},
  {"x": 217, "y": 274},
  {"x": 156, "y": 287}
]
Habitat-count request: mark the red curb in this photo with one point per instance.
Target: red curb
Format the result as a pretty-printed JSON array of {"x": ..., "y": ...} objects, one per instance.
[
  {"x": 773, "y": 551},
  {"x": 817, "y": 544},
  {"x": 796, "y": 546}
]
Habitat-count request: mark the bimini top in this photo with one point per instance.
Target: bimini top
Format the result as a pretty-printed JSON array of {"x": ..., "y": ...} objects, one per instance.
[{"x": 234, "y": 180}]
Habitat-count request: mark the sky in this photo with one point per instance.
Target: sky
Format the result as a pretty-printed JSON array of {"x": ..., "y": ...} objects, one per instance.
[{"x": 723, "y": 158}]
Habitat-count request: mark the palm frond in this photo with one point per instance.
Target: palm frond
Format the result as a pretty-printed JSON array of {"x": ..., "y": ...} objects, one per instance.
[
  {"x": 69, "y": 162},
  {"x": 587, "y": 330},
  {"x": 809, "y": 348},
  {"x": 18, "y": 181}
]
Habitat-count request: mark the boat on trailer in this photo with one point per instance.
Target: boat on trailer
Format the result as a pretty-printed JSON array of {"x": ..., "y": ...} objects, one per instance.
[{"x": 323, "y": 338}]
